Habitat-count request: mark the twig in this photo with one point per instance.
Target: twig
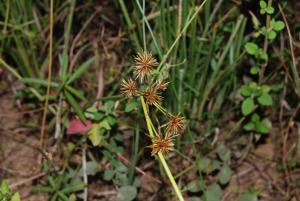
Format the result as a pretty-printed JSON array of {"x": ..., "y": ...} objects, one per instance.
[
  {"x": 103, "y": 193},
  {"x": 85, "y": 177},
  {"x": 20, "y": 183},
  {"x": 42, "y": 134},
  {"x": 58, "y": 118}
]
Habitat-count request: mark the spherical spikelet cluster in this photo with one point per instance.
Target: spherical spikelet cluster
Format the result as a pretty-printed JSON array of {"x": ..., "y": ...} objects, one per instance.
[
  {"x": 129, "y": 88},
  {"x": 161, "y": 144},
  {"x": 152, "y": 96},
  {"x": 175, "y": 125},
  {"x": 145, "y": 63}
]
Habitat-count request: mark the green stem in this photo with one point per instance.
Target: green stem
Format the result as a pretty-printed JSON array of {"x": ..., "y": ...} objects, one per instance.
[
  {"x": 132, "y": 33},
  {"x": 170, "y": 176},
  {"x": 160, "y": 155}
]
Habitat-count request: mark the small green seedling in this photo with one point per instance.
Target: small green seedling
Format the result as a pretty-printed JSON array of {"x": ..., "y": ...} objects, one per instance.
[
  {"x": 265, "y": 8},
  {"x": 6, "y": 194}
]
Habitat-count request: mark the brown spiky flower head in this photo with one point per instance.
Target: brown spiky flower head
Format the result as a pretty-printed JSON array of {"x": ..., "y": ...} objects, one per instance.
[
  {"x": 161, "y": 144},
  {"x": 175, "y": 125},
  {"x": 129, "y": 88},
  {"x": 145, "y": 63},
  {"x": 152, "y": 96}
]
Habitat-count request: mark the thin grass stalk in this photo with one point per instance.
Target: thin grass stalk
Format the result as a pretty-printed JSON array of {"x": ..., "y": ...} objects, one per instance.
[
  {"x": 164, "y": 59},
  {"x": 42, "y": 134},
  {"x": 5, "y": 23},
  {"x": 129, "y": 24},
  {"x": 144, "y": 29},
  {"x": 149, "y": 28}
]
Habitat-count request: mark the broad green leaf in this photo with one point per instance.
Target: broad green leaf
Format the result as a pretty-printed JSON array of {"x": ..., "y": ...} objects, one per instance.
[
  {"x": 262, "y": 11},
  {"x": 253, "y": 85},
  {"x": 203, "y": 163},
  {"x": 265, "y": 99},
  {"x": 246, "y": 91},
  {"x": 263, "y": 55},
  {"x": 263, "y": 126},
  {"x": 104, "y": 124},
  {"x": 213, "y": 193},
  {"x": 92, "y": 168},
  {"x": 119, "y": 149},
  {"x": 254, "y": 70},
  {"x": 247, "y": 106},
  {"x": 277, "y": 87},
  {"x": 251, "y": 48},
  {"x": 255, "y": 117},
  {"x": 225, "y": 174},
  {"x": 94, "y": 135},
  {"x": 121, "y": 179},
  {"x": 214, "y": 165},
  {"x": 98, "y": 116},
  {"x": 224, "y": 153},
  {"x": 108, "y": 174},
  {"x": 80, "y": 70},
  {"x": 109, "y": 106},
  {"x": 249, "y": 126},
  {"x": 195, "y": 186},
  {"x": 194, "y": 199},
  {"x": 75, "y": 105},
  {"x": 16, "y": 197},
  {"x": 4, "y": 187},
  {"x": 272, "y": 35},
  {"x": 265, "y": 88},
  {"x": 278, "y": 25},
  {"x": 131, "y": 106},
  {"x": 90, "y": 112},
  {"x": 126, "y": 193},
  {"x": 248, "y": 196},
  {"x": 119, "y": 137},
  {"x": 269, "y": 10},
  {"x": 72, "y": 197},
  {"x": 262, "y": 4},
  {"x": 111, "y": 120}
]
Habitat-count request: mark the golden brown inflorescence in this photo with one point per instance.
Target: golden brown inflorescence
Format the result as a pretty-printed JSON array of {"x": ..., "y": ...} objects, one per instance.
[
  {"x": 152, "y": 96},
  {"x": 150, "y": 89},
  {"x": 145, "y": 63},
  {"x": 161, "y": 144},
  {"x": 175, "y": 125},
  {"x": 129, "y": 88}
]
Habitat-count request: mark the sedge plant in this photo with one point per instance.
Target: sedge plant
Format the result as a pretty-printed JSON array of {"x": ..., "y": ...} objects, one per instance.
[{"x": 148, "y": 88}]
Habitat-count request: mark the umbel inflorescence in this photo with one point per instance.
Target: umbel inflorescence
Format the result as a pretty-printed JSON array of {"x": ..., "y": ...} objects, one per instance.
[{"x": 146, "y": 85}]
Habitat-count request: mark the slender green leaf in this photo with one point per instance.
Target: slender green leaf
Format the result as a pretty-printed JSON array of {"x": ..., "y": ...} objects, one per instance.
[
  {"x": 80, "y": 70},
  {"x": 75, "y": 105}
]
